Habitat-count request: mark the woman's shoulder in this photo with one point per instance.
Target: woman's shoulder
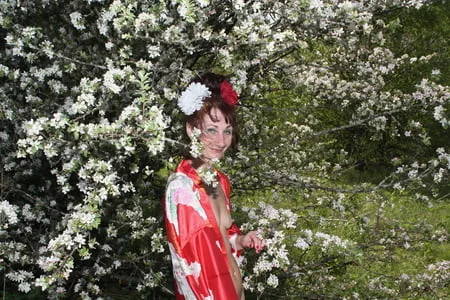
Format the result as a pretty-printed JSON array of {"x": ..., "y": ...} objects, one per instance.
[
  {"x": 221, "y": 173},
  {"x": 222, "y": 176},
  {"x": 179, "y": 179}
]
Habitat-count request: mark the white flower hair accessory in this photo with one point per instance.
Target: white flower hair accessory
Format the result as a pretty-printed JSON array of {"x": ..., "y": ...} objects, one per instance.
[{"x": 192, "y": 98}]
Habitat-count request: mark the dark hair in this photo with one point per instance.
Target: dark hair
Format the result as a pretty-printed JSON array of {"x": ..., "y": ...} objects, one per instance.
[{"x": 213, "y": 81}]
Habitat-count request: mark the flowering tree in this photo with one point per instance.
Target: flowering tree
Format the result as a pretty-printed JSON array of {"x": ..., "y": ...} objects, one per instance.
[{"x": 89, "y": 130}]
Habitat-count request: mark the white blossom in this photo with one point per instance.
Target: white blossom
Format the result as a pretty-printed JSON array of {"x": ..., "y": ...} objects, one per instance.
[
  {"x": 272, "y": 280},
  {"x": 8, "y": 213},
  {"x": 203, "y": 3},
  {"x": 301, "y": 243},
  {"x": 77, "y": 20},
  {"x": 110, "y": 78},
  {"x": 23, "y": 278}
]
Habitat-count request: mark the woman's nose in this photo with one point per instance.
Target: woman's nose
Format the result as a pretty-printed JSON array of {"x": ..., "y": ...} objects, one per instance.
[{"x": 220, "y": 139}]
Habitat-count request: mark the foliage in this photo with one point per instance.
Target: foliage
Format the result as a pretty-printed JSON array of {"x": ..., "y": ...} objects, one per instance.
[{"x": 89, "y": 130}]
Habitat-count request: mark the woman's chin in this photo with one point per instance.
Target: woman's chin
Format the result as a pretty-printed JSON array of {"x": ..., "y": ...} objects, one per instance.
[{"x": 214, "y": 155}]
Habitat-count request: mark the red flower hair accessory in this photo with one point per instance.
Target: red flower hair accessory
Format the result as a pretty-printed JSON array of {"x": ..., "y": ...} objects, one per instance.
[{"x": 228, "y": 94}]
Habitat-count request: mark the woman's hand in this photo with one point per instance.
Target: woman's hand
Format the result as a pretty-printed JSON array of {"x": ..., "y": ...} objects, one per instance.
[{"x": 251, "y": 240}]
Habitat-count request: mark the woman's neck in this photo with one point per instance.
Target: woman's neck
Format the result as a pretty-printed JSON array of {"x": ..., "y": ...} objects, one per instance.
[{"x": 200, "y": 163}]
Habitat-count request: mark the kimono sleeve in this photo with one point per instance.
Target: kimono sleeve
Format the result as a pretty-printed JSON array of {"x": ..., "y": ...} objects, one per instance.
[
  {"x": 184, "y": 216},
  {"x": 183, "y": 212},
  {"x": 233, "y": 233}
]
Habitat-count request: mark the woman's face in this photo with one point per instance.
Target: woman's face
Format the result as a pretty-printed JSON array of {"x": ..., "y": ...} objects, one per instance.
[{"x": 216, "y": 135}]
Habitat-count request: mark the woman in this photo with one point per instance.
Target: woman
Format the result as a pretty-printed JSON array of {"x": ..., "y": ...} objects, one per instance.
[{"x": 205, "y": 244}]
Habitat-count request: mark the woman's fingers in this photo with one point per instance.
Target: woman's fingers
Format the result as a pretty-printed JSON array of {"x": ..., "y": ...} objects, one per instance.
[{"x": 253, "y": 241}]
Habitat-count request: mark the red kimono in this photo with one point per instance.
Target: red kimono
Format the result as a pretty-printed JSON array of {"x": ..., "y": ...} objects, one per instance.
[{"x": 199, "y": 259}]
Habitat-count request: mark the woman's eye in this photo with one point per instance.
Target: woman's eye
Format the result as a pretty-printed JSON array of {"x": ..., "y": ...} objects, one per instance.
[
  {"x": 211, "y": 130},
  {"x": 228, "y": 132}
]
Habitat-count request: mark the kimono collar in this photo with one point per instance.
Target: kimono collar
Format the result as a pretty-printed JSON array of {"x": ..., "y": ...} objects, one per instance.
[{"x": 186, "y": 168}]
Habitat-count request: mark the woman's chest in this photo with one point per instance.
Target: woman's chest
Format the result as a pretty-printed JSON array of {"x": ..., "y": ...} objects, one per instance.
[{"x": 220, "y": 208}]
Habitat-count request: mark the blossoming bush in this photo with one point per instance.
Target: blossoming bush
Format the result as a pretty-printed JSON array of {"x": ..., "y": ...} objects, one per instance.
[{"x": 89, "y": 131}]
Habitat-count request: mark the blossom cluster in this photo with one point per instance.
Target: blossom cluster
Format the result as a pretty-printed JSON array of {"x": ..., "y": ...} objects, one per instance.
[
  {"x": 8, "y": 214},
  {"x": 277, "y": 227}
]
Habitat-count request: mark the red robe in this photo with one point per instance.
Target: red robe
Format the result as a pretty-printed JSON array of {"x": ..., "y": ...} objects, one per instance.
[{"x": 199, "y": 259}]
